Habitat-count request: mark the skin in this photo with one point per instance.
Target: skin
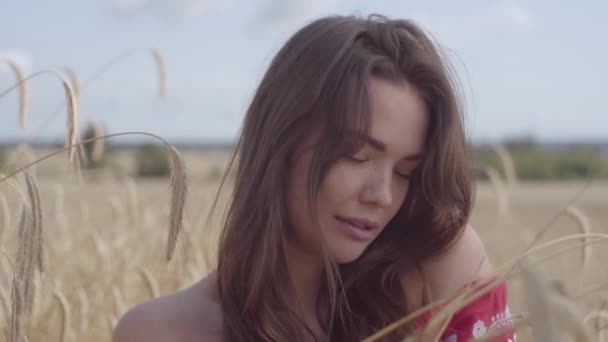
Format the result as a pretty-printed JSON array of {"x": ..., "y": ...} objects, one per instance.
[{"x": 372, "y": 184}]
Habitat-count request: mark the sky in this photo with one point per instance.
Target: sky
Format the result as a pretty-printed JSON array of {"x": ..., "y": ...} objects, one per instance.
[{"x": 535, "y": 68}]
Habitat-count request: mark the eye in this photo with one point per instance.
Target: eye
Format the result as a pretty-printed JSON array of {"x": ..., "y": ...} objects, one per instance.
[
  {"x": 406, "y": 176},
  {"x": 356, "y": 159}
]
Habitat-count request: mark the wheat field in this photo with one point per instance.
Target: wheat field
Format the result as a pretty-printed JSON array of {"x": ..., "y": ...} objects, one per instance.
[
  {"x": 78, "y": 248},
  {"x": 105, "y": 236}
]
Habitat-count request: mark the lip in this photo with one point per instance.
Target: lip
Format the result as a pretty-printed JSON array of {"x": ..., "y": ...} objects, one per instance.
[{"x": 359, "y": 228}]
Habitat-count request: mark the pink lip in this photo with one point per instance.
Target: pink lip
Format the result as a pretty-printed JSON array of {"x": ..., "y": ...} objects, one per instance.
[
  {"x": 358, "y": 228},
  {"x": 360, "y": 222}
]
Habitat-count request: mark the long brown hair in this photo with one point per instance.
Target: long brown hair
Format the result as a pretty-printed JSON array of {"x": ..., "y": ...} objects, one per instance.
[{"x": 318, "y": 83}]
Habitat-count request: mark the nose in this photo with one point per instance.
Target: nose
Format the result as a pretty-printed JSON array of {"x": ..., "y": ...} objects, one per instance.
[{"x": 377, "y": 190}]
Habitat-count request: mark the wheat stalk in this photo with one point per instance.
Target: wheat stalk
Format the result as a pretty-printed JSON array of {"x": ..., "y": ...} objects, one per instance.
[
  {"x": 160, "y": 66},
  {"x": 501, "y": 193},
  {"x": 84, "y": 311},
  {"x": 72, "y": 117},
  {"x": 29, "y": 257},
  {"x": 177, "y": 181},
  {"x": 469, "y": 294},
  {"x": 4, "y": 305},
  {"x": 98, "y": 145},
  {"x": 599, "y": 237},
  {"x": 27, "y": 153},
  {"x": 4, "y": 301},
  {"x": 70, "y": 100},
  {"x": 4, "y": 296},
  {"x": 112, "y": 322},
  {"x": 507, "y": 163},
  {"x": 66, "y": 317},
  {"x": 6, "y": 217},
  {"x": 18, "y": 72},
  {"x": 24, "y": 268},
  {"x": 537, "y": 295},
  {"x": 162, "y": 74},
  {"x": 551, "y": 223},
  {"x": 18, "y": 189},
  {"x": 582, "y": 222},
  {"x": 73, "y": 77},
  {"x": 119, "y": 304},
  {"x": 178, "y": 199},
  {"x": 101, "y": 248},
  {"x": 151, "y": 283},
  {"x": 38, "y": 238},
  {"x": 568, "y": 317}
]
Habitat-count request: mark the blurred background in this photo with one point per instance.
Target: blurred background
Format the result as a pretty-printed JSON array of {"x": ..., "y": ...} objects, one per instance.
[
  {"x": 531, "y": 73},
  {"x": 532, "y": 76}
]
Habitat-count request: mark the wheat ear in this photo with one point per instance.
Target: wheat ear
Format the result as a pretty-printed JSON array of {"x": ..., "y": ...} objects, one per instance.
[{"x": 23, "y": 95}]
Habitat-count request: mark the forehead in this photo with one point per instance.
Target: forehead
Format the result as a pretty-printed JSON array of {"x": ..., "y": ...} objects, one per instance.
[{"x": 398, "y": 116}]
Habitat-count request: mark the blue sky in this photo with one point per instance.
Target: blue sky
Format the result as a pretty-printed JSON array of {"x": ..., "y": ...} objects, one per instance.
[{"x": 526, "y": 68}]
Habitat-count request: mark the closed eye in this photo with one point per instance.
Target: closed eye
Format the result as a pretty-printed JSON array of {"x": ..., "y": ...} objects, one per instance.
[
  {"x": 355, "y": 159},
  {"x": 405, "y": 176}
]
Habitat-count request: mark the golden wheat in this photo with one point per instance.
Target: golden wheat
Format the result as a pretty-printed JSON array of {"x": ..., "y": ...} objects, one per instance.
[
  {"x": 65, "y": 314},
  {"x": 6, "y": 218},
  {"x": 24, "y": 153},
  {"x": 19, "y": 76},
  {"x": 162, "y": 74},
  {"x": 582, "y": 222},
  {"x": 98, "y": 145},
  {"x": 72, "y": 107},
  {"x": 84, "y": 311},
  {"x": 502, "y": 200},
  {"x": 74, "y": 80},
  {"x": 151, "y": 283},
  {"x": 507, "y": 163}
]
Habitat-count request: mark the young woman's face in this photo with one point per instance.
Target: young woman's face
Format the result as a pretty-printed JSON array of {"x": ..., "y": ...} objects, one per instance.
[{"x": 361, "y": 193}]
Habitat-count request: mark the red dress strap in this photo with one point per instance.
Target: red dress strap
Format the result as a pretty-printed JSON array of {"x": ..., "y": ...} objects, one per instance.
[{"x": 488, "y": 312}]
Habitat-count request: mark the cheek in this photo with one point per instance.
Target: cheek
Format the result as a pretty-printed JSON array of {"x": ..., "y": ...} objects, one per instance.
[
  {"x": 399, "y": 194},
  {"x": 342, "y": 183}
]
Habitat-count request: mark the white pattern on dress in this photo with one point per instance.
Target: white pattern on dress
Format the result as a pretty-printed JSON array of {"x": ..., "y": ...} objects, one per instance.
[{"x": 479, "y": 329}]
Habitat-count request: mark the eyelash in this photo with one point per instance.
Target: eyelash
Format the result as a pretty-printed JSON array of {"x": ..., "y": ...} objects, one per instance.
[{"x": 359, "y": 161}]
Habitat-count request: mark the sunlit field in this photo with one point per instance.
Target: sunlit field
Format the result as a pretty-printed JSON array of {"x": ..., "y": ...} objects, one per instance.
[
  {"x": 105, "y": 237},
  {"x": 79, "y": 246}
]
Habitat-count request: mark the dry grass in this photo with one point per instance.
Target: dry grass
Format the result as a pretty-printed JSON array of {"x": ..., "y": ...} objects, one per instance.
[
  {"x": 20, "y": 78},
  {"x": 106, "y": 235},
  {"x": 108, "y": 258}
]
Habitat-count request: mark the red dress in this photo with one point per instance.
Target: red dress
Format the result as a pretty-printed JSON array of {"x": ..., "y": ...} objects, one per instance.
[{"x": 479, "y": 318}]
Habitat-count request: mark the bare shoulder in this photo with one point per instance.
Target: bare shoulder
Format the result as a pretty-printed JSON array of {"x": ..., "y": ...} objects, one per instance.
[
  {"x": 463, "y": 262},
  {"x": 192, "y": 314}
]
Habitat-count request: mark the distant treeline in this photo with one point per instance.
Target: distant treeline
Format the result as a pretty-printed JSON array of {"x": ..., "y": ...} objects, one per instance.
[
  {"x": 535, "y": 162},
  {"x": 531, "y": 161}
]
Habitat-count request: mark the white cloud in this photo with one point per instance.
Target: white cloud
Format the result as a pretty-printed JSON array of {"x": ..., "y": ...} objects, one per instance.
[
  {"x": 21, "y": 57},
  {"x": 495, "y": 20},
  {"x": 176, "y": 9},
  {"x": 285, "y": 14},
  {"x": 518, "y": 16}
]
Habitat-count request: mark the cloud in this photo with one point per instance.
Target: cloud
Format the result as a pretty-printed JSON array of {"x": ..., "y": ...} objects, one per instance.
[
  {"x": 285, "y": 14},
  {"x": 21, "y": 57},
  {"x": 518, "y": 16},
  {"x": 495, "y": 20},
  {"x": 173, "y": 9}
]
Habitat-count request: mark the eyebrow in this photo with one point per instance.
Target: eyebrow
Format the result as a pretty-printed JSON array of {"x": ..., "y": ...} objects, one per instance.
[{"x": 381, "y": 146}]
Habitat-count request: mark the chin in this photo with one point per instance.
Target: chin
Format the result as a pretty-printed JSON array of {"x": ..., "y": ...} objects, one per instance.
[{"x": 345, "y": 255}]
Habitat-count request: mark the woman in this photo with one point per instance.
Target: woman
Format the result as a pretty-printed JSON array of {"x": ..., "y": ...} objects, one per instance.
[{"x": 351, "y": 200}]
